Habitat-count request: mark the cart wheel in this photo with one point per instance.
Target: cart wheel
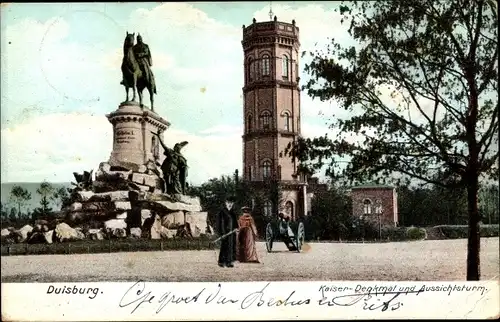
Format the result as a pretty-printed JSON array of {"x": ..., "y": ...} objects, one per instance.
[
  {"x": 300, "y": 236},
  {"x": 269, "y": 237}
]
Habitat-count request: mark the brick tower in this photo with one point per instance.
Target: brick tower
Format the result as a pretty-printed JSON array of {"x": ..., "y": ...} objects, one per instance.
[{"x": 272, "y": 112}]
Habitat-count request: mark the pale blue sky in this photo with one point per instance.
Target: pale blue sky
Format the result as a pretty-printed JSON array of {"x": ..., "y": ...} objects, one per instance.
[{"x": 61, "y": 73}]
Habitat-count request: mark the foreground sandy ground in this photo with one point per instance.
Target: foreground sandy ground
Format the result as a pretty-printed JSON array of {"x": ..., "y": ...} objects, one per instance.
[{"x": 422, "y": 260}]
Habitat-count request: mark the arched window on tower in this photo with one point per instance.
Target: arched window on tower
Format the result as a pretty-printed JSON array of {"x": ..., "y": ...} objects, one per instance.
[
  {"x": 265, "y": 120},
  {"x": 285, "y": 66},
  {"x": 367, "y": 207},
  {"x": 266, "y": 169},
  {"x": 266, "y": 70},
  {"x": 286, "y": 120},
  {"x": 268, "y": 208},
  {"x": 251, "y": 69},
  {"x": 249, "y": 123}
]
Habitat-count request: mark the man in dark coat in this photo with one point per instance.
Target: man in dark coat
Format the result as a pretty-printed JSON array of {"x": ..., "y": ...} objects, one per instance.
[{"x": 227, "y": 221}]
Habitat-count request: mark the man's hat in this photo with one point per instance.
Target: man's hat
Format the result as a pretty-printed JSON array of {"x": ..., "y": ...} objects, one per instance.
[{"x": 246, "y": 209}]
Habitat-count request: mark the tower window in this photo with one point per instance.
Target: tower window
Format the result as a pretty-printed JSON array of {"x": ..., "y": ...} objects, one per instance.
[
  {"x": 367, "y": 207},
  {"x": 265, "y": 119},
  {"x": 266, "y": 169},
  {"x": 287, "y": 118},
  {"x": 268, "y": 208},
  {"x": 265, "y": 65},
  {"x": 251, "y": 69},
  {"x": 285, "y": 66}
]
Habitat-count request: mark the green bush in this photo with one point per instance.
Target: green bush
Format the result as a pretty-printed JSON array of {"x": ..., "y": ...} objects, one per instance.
[
  {"x": 489, "y": 231},
  {"x": 108, "y": 246},
  {"x": 415, "y": 233},
  {"x": 462, "y": 231},
  {"x": 394, "y": 233}
]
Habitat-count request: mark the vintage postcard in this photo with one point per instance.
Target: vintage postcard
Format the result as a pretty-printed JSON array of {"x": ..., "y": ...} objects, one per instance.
[{"x": 249, "y": 160}]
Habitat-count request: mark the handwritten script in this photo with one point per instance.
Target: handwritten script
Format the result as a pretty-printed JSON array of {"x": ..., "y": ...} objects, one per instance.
[{"x": 380, "y": 299}]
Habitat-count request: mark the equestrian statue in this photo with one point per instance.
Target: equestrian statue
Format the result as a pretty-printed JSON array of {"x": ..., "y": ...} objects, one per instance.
[{"x": 136, "y": 69}]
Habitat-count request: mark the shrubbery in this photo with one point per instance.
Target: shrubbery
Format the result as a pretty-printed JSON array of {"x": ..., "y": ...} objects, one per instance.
[
  {"x": 461, "y": 231},
  {"x": 110, "y": 246},
  {"x": 415, "y": 233}
]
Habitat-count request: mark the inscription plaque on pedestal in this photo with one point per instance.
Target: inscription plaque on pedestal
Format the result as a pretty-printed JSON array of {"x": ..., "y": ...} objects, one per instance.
[{"x": 133, "y": 141}]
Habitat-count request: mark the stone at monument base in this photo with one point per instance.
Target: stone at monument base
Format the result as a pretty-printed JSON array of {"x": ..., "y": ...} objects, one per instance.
[{"x": 108, "y": 203}]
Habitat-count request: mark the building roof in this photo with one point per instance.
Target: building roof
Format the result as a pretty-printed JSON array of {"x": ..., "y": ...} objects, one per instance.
[{"x": 372, "y": 185}]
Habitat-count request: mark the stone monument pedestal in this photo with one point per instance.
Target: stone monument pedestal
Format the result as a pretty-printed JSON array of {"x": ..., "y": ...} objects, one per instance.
[{"x": 133, "y": 142}]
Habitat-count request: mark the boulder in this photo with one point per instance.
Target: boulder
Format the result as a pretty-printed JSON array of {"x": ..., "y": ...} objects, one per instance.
[
  {"x": 115, "y": 224},
  {"x": 173, "y": 219},
  {"x": 168, "y": 233},
  {"x": 5, "y": 232},
  {"x": 122, "y": 205},
  {"x": 64, "y": 232},
  {"x": 156, "y": 228},
  {"x": 145, "y": 214},
  {"x": 158, "y": 197},
  {"x": 36, "y": 238},
  {"x": 82, "y": 196},
  {"x": 198, "y": 222},
  {"x": 143, "y": 188},
  {"x": 75, "y": 206},
  {"x": 43, "y": 237},
  {"x": 49, "y": 236},
  {"x": 167, "y": 206},
  {"x": 135, "y": 232},
  {"x": 95, "y": 234},
  {"x": 24, "y": 233},
  {"x": 76, "y": 217},
  {"x": 145, "y": 179},
  {"x": 123, "y": 215},
  {"x": 112, "y": 185},
  {"x": 99, "y": 206},
  {"x": 121, "y": 195},
  {"x": 107, "y": 172},
  {"x": 184, "y": 231},
  {"x": 115, "y": 164},
  {"x": 120, "y": 233},
  {"x": 187, "y": 199},
  {"x": 80, "y": 233}
]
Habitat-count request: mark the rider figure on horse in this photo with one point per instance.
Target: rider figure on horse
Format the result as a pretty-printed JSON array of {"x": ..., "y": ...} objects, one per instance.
[
  {"x": 143, "y": 57},
  {"x": 136, "y": 69}
]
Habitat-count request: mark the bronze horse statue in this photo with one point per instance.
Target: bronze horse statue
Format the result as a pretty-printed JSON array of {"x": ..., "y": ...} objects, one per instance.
[{"x": 134, "y": 76}]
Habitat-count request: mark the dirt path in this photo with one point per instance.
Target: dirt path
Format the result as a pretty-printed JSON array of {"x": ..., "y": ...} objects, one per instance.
[{"x": 422, "y": 260}]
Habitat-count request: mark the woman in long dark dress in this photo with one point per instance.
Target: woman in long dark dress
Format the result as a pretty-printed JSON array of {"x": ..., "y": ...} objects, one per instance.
[{"x": 247, "y": 252}]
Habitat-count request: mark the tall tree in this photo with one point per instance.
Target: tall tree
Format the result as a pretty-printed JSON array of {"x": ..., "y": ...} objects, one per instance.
[
  {"x": 47, "y": 193},
  {"x": 420, "y": 87},
  {"x": 19, "y": 196}
]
